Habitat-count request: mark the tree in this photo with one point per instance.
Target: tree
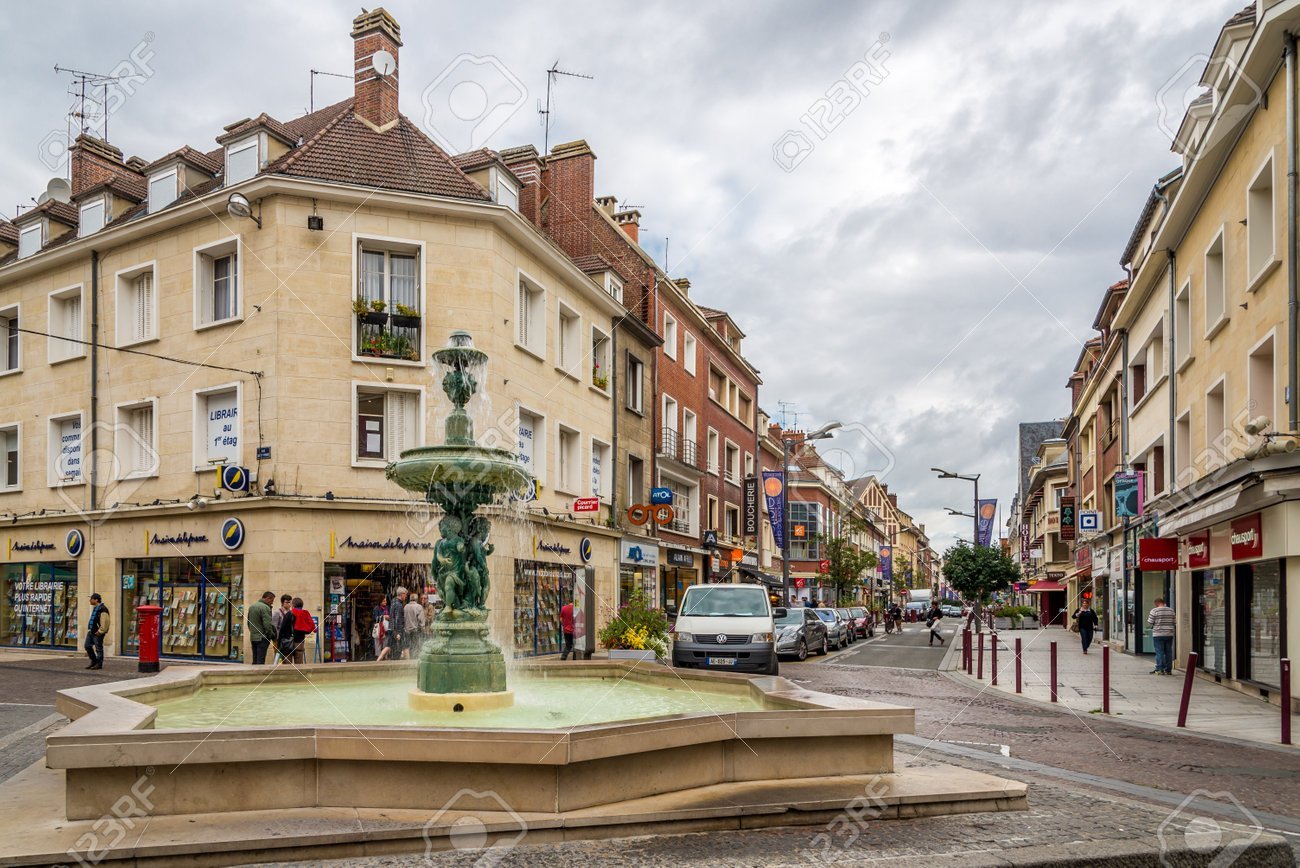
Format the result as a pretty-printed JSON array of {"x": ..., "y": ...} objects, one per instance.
[
  {"x": 979, "y": 572},
  {"x": 847, "y": 561}
]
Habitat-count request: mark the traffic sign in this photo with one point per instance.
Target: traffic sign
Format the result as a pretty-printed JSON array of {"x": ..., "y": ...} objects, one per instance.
[{"x": 586, "y": 504}]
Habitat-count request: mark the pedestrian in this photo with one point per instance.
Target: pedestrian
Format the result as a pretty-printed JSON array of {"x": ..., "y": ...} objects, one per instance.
[
  {"x": 379, "y": 629},
  {"x": 284, "y": 629},
  {"x": 896, "y": 615},
  {"x": 303, "y": 626},
  {"x": 932, "y": 619},
  {"x": 1161, "y": 621},
  {"x": 261, "y": 627},
  {"x": 566, "y": 627},
  {"x": 413, "y": 617},
  {"x": 1087, "y": 622},
  {"x": 96, "y": 630},
  {"x": 396, "y": 626},
  {"x": 430, "y": 612}
]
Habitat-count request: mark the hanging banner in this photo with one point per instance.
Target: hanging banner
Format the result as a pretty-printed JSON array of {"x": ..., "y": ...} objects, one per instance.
[
  {"x": 887, "y": 563},
  {"x": 750, "y": 527},
  {"x": 1024, "y": 543},
  {"x": 1068, "y": 517},
  {"x": 774, "y": 491},
  {"x": 1128, "y": 495},
  {"x": 987, "y": 510}
]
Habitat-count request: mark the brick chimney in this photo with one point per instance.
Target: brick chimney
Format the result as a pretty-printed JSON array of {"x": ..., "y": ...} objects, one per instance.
[
  {"x": 629, "y": 222},
  {"x": 571, "y": 183},
  {"x": 95, "y": 161},
  {"x": 376, "y": 95}
]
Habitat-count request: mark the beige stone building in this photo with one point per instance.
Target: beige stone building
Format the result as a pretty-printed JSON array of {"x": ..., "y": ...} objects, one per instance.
[
  {"x": 1049, "y": 556},
  {"x": 154, "y": 337}
]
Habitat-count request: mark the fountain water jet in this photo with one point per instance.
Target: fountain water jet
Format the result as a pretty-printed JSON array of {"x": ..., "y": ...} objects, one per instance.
[{"x": 461, "y": 668}]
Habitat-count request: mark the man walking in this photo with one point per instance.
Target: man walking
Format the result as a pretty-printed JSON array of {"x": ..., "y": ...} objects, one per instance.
[
  {"x": 566, "y": 627},
  {"x": 1161, "y": 621},
  {"x": 96, "y": 630},
  {"x": 413, "y": 618},
  {"x": 282, "y": 620},
  {"x": 261, "y": 627}
]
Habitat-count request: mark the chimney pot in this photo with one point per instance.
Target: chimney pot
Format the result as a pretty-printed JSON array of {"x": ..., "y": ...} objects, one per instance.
[
  {"x": 629, "y": 222},
  {"x": 376, "y": 95},
  {"x": 608, "y": 204}
]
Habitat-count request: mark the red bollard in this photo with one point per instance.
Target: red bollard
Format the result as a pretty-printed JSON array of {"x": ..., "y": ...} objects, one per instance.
[
  {"x": 1187, "y": 688},
  {"x": 993, "y": 646},
  {"x": 1286, "y": 700},
  {"x": 1105, "y": 679},
  {"x": 965, "y": 649},
  {"x": 1053, "y": 673},
  {"x": 150, "y": 639},
  {"x": 980, "y": 673},
  {"x": 1019, "y": 682}
]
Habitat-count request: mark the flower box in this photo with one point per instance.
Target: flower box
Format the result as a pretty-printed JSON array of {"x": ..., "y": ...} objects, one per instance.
[
  {"x": 645, "y": 655},
  {"x": 372, "y": 317},
  {"x": 405, "y": 322}
]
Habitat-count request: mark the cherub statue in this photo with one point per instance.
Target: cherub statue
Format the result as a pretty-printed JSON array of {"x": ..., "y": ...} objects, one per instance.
[
  {"x": 449, "y": 565},
  {"x": 477, "y": 558}
]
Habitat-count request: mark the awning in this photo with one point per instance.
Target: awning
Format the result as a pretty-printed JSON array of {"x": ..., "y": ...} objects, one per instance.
[
  {"x": 766, "y": 578},
  {"x": 1209, "y": 511},
  {"x": 1045, "y": 586}
]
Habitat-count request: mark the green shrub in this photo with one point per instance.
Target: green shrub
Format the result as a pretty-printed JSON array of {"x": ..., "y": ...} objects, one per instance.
[{"x": 637, "y": 625}]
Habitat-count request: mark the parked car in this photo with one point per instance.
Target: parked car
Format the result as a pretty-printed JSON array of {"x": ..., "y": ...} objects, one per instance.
[
  {"x": 862, "y": 626},
  {"x": 725, "y": 627},
  {"x": 799, "y": 631},
  {"x": 837, "y": 629},
  {"x": 948, "y": 610},
  {"x": 848, "y": 623}
]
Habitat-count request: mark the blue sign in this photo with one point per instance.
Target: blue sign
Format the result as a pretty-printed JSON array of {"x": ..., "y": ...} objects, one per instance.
[
  {"x": 232, "y": 533},
  {"x": 234, "y": 478},
  {"x": 987, "y": 511},
  {"x": 774, "y": 494},
  {"x": 264, "y": 453},
  {"x": 584, "y": 549},
  {"x": 661, "y": 495},
  {"x": 75, "y": 542}
]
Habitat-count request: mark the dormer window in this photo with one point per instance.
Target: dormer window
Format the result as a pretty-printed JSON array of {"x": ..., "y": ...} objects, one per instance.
[
  {"x": 504, "y": 191},
  {"x": 163, "y": 189},
  {"x": 242, "y": 161},
  {"x": 613, "y": 285},
  {"x": 31, "y": 239},
  {"x": 92, "y": 218}
]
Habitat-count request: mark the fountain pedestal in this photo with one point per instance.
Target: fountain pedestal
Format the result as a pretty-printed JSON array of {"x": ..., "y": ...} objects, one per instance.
[{"x": 461, "y": 666}]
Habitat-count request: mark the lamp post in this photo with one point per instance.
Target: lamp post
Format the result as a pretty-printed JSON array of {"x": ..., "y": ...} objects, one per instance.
[
  {"x": 972, "y": 478},
  {"x": 822, "y": 433}
]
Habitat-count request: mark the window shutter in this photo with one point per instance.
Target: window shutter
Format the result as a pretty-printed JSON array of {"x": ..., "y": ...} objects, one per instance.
[
  {"x": 144, "y": 306},
  {"x": 523, "y": 314},
  {"x": 142, "y": 423},
  {"x": 72, "y": 312}
]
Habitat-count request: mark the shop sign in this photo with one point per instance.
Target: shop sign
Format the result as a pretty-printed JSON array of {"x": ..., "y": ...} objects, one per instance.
[
  {"x": 584, "y": 549},
  {"x": 1083, "y": 556},
  {"x": 749, "y": 560},
  {"x": 1024, "y": 542},
  {"x": 1198, "y": 550},
  {"x": 823, "y": 566},
  {"x": 639, "y": 552},
  {"x": 232, "y": 533},
  {"x": 1056, "y": 575},
  {"x": 75, "y": 542},
  {"x": 1156, "y": 553},
  {"x": 554, "y": 548},
  {"x": 31, "y": 597},
  {"x": 680, "y": 559},
  {"x": 223, "y": 428},
  {"x": 35, "y": 546},
  {"x": 661, "y": 496},
  {"x": 710, "y": 538},
  {"x": 1247, "y": 538},
  {"x": 1089, "y": 521},
  {"x": 1067, "y": 517},
  {"x": 184, "y": 538},
  {"x": 586, "y": 504},
  {"x": 750, "y": 526},
  {"x": 391, "y": 543}
]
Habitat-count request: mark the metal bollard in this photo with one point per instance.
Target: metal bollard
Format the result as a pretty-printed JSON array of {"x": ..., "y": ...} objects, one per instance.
[
  {"x": 980, "y": 674},
  {"x": 1053, "y": 671},
  {"x": 1105, "y": 678},
  {"x": 993, "y": 647},
  {"x": 1019, "y": 682},
  {"x": 965, "y": 650},
  {"x": 1187, "y": 688},
  {"x": 1286, "y": 700}
]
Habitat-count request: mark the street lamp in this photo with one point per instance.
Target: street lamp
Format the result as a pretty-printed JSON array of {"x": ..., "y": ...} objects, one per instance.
[
  {"x": 969, "y": 477},
  {"x": 822, "y": 433},
  {"x": 952, "y": 511}
]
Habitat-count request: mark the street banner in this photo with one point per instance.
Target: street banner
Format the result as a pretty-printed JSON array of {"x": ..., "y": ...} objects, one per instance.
[
  {"x": 1128, "y": 495},
  {"x": 1024, "y": 543},
  {"x": 987, "y": 510},
  {"x": 774, "y": 492},
  {"x": 1068, "y": 517},
  {"x": 887, "y": 564},
  {"x": 751, "y": 506}
]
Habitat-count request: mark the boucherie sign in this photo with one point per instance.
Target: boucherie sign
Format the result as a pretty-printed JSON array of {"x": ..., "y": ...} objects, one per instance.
[{"x": 1247, "y": 538}]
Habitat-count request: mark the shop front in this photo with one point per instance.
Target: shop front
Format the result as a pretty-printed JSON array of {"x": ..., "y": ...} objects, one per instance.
[
  {"x": 38, "y": 603},
  {"x": 638, "y": 568},
  {"x": 680, "y": 571},
  {"x": 361, "y": 573}
]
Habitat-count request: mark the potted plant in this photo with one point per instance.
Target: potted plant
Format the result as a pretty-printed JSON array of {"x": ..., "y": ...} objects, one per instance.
[
  {"x": 638, "y": 631},
  {"x": 368, "y": 313},
  {"x": 373, "y": 345},
  {"x": 405, "y": 317},
  {"x": 599, "y": 378}
]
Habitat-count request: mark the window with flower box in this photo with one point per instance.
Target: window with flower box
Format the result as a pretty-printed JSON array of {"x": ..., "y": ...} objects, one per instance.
[
  {"x": 388, "y": 303},
  {"x": 600, "y": 360}
]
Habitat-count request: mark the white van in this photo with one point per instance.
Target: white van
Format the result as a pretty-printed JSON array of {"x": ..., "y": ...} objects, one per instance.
[{"x": 725, "y": 627}]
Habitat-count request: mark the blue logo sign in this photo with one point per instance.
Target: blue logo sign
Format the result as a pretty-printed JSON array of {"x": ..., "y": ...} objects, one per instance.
[
  {"x": 234, "y": 478},
  {"x": 584, "y": 549},
  {"x": 232, "y": 533},
  {"x": 661, "y": 495},
  {"x": 75, "y": 542}
]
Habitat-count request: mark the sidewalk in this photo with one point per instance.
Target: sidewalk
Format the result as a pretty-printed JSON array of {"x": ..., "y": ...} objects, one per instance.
[{"x": 1136, "y": 696}]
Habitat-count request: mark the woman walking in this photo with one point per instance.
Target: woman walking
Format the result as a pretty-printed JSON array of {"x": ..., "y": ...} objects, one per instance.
[
  {"x": 932, "y": 619},
  {"x": 1087, "y": 622}
]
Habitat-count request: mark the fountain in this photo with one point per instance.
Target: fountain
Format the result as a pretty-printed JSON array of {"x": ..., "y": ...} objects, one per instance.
[{"x": 460, "y": 668}]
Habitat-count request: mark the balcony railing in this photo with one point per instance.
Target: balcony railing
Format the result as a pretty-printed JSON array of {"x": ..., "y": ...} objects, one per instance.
[
  {"x": 389, "y": 336},
  {"x": 690, "y": 453},
  {"x": 673, "y": 445}
]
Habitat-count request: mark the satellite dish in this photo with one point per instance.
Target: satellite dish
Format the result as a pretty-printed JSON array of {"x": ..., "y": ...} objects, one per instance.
[
  {"x": 42, "y": 199},
  {"x": 59, "y": 190},
  {"x": 383, "y": 62}
]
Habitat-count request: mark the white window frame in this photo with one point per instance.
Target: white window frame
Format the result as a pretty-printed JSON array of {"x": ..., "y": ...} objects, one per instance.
[
  {"x": 675, "y": 423},
  {"x": 371, "y": 387},
  {"x": 1182, "y": 448},
  {"x": 100, "y": 202},
  {"x": 7, "y": 315},
  {"x": 749, "y": 464},
  {"x": 607, "y": 467},
  {"x": 1271, "y": 409},
  {"x": 175, "y": 174},
  {"x": 125, "y": 283},
  {"x": 540, "y": 440},
  {"x": 713, "y": 445},
  {"x": 253, "y": 143},
  {"x": 614, "y": 285},
  {"x": 17, "y": 428},
  {"x": 1261, "y": 261},
  {"x": 732, "y": 478},
  {"x": 36, "y": 230},
  {"x": 501, "y": 182},
  {"x": 1215, "y": 324},
  {"x": 534, "y": 342},
  {"x": 689, "y": 352},
  {"x": 122, "y": 439},
  {"x": 569, "y": 347},
  {"x": 53, "y": 449},
  {"x": 634, "y": 396},
  {"x": 572, "y": 486},
  {"x": 1183, "y": 326},
  {"x": 670, "y": 335},
  {"x": 68, "y": 350},
  {"x": 600, "y": 338},
  {"x": 199, "y": 421},
  {"x": 205, "y": 251}
]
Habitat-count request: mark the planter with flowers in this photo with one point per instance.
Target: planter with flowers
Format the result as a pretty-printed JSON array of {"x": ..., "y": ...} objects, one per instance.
[
  {"x": 638, "y": 631},
  {"x": 405, "y": 317},
  {"x": 370, "y": 313},
  {"x": 599, "y": 378}
]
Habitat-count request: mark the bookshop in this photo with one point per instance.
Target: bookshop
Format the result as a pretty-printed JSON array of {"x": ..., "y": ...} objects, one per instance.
[
  {"x": 202, "y": 598},
  {"x": 353, "y": 593},
  {"x": 541, "y": 590},
  {"x": 38, "y": 608}
]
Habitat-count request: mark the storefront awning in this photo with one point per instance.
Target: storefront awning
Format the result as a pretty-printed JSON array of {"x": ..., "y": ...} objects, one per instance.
[
  {"x": 1045, "y": 586},
  {"x": 1208, "y": 512},
  {"x": 766, "y": 578}
]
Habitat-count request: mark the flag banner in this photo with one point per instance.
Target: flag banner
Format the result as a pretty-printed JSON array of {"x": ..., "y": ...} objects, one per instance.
[
  {"x": 1128, "y": 495},
  {"x": 1067, "y": 516},
  {"x": 887, "y": 563},
  {"x": 774, "y": 492},
  {"x": 984, "y": 528}
]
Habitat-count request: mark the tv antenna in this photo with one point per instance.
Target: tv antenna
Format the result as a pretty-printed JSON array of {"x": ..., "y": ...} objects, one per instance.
[
  {"x": 545, "y": 113},
  {"x": 786, "y": 412},
  {"x": 311, "y": 97},
  {"x": 89, "y": 111}
]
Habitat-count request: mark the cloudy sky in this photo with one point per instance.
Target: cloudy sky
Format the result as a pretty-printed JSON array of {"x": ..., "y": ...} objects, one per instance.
[{"x": 918, "y": 257}]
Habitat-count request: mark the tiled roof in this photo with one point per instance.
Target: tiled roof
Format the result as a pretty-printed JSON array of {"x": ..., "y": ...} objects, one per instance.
[
  {"x": 711, "y": 312},
  {"x": 131, "y": 189},
  {"x": 8, "y": 232},
  {"x": 1245, "y": 16},
  {"x": 197, "y": 159},
  {"x": 592, "y": 263},
  {"x": 402, "y": 158},
  {"x": 262, "y": 121},
  {"x": 471, "y": 160},
  {"x": 61, "y": 211}
]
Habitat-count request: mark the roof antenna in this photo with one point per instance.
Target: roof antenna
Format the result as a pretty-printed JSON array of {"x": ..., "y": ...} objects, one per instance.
[
  {"x": 315, "y": 72},
  {"x": 786, "y": 412},
  {"x": 545, "y": 113},
  {"x": 89, "y": 111}
]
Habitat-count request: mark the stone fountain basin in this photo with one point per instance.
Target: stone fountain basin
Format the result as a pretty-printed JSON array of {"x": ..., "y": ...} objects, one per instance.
[
  {"x": 795, "y": 734},
  {"x": 420, "y": 468}
]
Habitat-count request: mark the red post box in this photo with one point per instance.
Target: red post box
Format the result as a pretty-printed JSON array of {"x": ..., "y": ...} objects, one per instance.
[{"x": 150, "y": 618}]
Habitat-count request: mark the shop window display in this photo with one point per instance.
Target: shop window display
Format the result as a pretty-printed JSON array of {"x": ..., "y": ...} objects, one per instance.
[
  {"x": 202, "y": 599},
  {"x": 353, "y": 593},
  {"x": 541, "y": 590},
  {"x": 39, "y": 605},
  {"x": 1210, "y": 620},
  {"x": 1259, "y": 621}
]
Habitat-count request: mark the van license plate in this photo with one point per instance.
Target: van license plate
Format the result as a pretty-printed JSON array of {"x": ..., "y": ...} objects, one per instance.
[{"x": 722, "y": 661}]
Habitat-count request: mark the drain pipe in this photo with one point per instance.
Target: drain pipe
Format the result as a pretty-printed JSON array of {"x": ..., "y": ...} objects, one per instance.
[
  {"x": 94, "y": 377},
  {"x": 1171, "y": 448},
  {"x": 614, "y": 411},
  {"x": 1291, "y": 274}
]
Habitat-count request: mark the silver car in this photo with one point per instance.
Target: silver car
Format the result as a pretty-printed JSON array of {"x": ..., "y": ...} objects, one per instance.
[
  {"x": 799, "y": 631},
  {"x": 837, "y": 629}
]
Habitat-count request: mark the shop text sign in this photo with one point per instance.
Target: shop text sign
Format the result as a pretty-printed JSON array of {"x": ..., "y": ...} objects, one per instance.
[
  {"x": 390, "y": 544},
  {"x": 31, "y": 597},
  {"x": 223, "y": 427},
  {"x": 34, "y": 546},
  {"x": 1156, "y": 553},
  {"x": 681, "y": 559},
  {"x": 640, "y": 553},
  {"x": 586, "y": 504},
  {"x": 1247, "y": 538},
  {"x": 1198, "y": 551},
  {"x": 184, "y": 538}
]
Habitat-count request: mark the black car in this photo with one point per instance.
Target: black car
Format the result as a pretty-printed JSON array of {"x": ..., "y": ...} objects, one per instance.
[{"x": 799, "y": 631}]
